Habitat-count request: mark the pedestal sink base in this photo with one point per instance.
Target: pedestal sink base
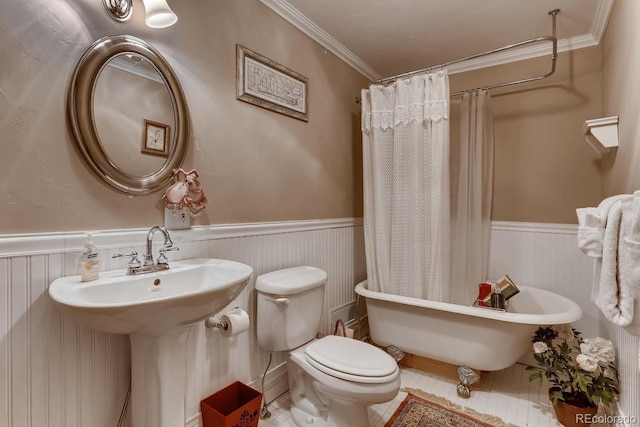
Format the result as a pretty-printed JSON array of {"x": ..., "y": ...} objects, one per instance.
[
  {"x": 158, "y": 378},
  {"x": 154, "y": 309}
]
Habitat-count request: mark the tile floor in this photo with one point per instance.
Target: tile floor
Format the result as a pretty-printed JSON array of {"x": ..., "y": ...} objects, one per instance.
[{"x": 507, "y": 394}]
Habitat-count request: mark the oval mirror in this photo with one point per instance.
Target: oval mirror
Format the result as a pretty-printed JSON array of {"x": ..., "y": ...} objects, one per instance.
[{"x": 128, "y": 114}]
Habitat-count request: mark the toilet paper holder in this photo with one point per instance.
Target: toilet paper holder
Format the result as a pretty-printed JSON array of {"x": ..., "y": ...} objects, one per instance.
[{"x": 214, "y": 322}]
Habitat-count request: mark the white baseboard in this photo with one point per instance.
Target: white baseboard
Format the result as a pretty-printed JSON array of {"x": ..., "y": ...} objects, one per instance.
[
  {"x": 276, "y": 383},
  {"x": 193, "y": 421}
]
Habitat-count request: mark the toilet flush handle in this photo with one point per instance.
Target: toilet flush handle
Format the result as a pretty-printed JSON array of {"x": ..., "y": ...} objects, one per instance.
[{"x": 283, "y": 301}]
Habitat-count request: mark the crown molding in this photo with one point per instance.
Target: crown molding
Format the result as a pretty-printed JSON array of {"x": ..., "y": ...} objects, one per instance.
[
  {"x": 304, "y": 24},
  {"x": 605, "y": 7}
]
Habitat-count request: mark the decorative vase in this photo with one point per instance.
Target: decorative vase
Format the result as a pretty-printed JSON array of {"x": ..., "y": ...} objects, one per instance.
[{"x": 571, "y": 415}]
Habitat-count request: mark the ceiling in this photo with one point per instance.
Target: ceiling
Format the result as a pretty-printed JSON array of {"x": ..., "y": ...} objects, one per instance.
[{"x": 381, "y": 38}]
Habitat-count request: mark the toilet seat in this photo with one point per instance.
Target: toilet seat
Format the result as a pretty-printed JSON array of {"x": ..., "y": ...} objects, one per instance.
[{"x": 351, "y": 360}]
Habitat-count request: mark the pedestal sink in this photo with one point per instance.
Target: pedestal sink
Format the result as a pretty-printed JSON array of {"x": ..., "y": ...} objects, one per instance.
[{"x": 155, "y": 310}]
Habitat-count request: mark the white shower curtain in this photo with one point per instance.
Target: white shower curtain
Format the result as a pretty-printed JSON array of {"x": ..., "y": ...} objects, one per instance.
[
  {"x": 472, "y": 184},
  {"x": 406, "y": 186}
]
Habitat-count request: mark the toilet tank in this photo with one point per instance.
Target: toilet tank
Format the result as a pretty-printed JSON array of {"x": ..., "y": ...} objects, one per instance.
[{"x": 289, "y": 307}]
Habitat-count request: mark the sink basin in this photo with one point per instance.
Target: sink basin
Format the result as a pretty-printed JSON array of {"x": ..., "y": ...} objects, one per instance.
[
  {"x": 151, "y": 303},
  {"x": 154, "y": 309}
]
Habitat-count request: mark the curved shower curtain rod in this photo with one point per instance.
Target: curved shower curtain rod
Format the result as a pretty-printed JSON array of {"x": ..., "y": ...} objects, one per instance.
[{"x": 554, "y": 56}]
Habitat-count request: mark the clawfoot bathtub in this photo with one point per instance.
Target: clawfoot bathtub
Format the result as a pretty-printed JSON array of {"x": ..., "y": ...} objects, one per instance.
[{"x": 476, "y": 337}]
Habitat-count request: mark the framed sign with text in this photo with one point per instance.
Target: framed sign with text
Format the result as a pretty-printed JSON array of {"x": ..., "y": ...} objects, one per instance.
[{"x": 267, "y": 84}]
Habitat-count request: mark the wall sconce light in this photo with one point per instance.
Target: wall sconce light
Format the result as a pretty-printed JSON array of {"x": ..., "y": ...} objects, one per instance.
[{"x": 159, "y": 14}]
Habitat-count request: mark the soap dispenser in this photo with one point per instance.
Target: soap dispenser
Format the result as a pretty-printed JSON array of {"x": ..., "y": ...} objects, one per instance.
[{"x": 89, "y": 265}]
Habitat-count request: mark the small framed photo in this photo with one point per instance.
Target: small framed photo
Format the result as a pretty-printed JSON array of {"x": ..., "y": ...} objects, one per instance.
[
  {"x": 155, "y": 138},
  {"x": 263, "y": 82}
]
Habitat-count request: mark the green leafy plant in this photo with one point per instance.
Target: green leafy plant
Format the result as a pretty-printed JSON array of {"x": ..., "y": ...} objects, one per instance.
[{"x": 581, "y": 371}]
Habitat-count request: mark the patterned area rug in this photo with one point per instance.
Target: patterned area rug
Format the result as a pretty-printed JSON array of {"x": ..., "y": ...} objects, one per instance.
[{"x": 422, "y": 409}]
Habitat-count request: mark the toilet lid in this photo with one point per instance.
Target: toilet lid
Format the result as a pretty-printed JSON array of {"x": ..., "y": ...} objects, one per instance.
[{"x": 351, "y": 360}]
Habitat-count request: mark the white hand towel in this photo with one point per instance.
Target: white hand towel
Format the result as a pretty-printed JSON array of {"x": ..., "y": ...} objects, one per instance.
[
  {"x": 630, "y": 259},
  {"x": 590, "y": 217},
  {"x": 632, "y": 246},
  {"x": 634, "y": 228},
  {"x": 590, "y": 231},
  {"x": 592, "y": 223},
  {"x": 605, "y": 284},
  {"x": 614, "y": 295},
  {"x": 590, "y": 241},
  {"x": 606, "y": 204}
]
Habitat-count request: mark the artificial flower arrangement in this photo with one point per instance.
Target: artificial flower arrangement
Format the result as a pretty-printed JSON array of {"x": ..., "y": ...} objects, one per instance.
[{"x": 581, "y": 371}]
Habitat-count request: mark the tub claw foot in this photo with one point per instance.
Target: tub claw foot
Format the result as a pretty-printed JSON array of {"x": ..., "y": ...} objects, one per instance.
[
  {"x": 468, "y": 377},
  {"x": 464, "y": 391},
  {"x": 395, "y": 352}
]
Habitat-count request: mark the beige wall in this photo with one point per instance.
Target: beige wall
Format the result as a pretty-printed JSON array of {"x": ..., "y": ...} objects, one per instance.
[
  {"x": 255, "y": 165},
  {"x": 544, "y": 168},
  {"x": 621, "y": 89}
]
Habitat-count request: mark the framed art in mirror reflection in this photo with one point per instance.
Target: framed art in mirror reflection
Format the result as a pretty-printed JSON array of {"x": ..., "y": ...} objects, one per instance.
[{"x": 155, "y": 138}]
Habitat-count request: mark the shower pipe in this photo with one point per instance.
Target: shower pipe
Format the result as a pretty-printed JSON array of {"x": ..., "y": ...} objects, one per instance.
[{"x": 554, "y": 57}]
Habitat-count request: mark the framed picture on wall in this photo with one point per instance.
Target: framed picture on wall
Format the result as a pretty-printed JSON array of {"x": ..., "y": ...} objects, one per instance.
[
  {"x": 267, "y": 84},
  {"x": 155, "y": 138}
]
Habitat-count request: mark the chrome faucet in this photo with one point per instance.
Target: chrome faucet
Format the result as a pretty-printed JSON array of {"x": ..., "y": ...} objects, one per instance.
[
  {"x": 149, "y": 265},
  {"x": 168, "y": 244}
]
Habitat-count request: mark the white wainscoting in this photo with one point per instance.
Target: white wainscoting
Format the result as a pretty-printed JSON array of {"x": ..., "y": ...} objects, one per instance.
[
  {"x": 546, "y": 256},
  {"x": 55, "y": 373}
]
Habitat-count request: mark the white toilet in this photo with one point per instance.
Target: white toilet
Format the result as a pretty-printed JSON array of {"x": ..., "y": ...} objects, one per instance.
[{"x": 332, "y": 380}]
